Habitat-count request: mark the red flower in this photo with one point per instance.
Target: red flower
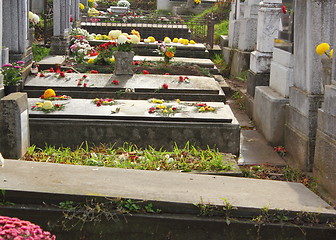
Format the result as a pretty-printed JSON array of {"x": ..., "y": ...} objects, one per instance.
[
  {"x": 42, "y": 97},
  {"x": 57, "y": 105},
  {"x": 51, "y": 70},
  {"x": 42, "y": 75},
  {"x": 69, "y": 71},
  {"x": 167, "y": 74},
  {"x": 62, "y": 74},
  {"x": 135, "y": 63},
  {"x": 34, "y": 106},
  {"x": 84, "y": 76},
  {"x": 71, "y": 19},
  {"x": 145, "y": 72},
  {"x": 181, "y": 79},
  {"x": 115, "y": 82},
  {"x": 173, "y": 108},
  {"x": 85, "y": 85},
  {"x": 94, "y": 71},
  {"x": 284, "y": 9},
  {"x": 79, "y": 82},
  {"x": 159, "y": 41},
  {"x": 150, "y": 111},
  {"x": 185, "y": 78},
  {"x": 165, "y": 86},
  {"x": 201, "y": 104},
  {"x": 98, "y": 104}
]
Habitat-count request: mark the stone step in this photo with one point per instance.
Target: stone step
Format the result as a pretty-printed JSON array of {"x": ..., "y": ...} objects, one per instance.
[
  {"x": 130, "y": 121},
  {"x": 138, "y": 86}
]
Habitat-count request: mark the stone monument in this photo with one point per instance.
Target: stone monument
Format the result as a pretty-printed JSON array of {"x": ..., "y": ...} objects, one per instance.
[
  {"x": 325, "y": 148},
  {"x": 14, "y": 125},
  {"x": 314, "y": 23}
]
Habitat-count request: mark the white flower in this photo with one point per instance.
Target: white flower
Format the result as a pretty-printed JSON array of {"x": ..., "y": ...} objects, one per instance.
[
  {"x": 114, "y": 34},
  {"x": 146, "y": 40},
  {"x": 36, "y": 19},
  {"x": 47, "y": 105},
  {"x": 123, "y": 3},
  {"x": 122, "y": 39},
  {"x": 134, "y": 39}
]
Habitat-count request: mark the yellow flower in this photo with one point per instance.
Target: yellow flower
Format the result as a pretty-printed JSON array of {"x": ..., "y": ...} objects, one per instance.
[
  {"x": 331, "y": 53},
  {"x": 112, "y": 59},
  {"x": 136, "y": 33},
  {"x": 98, "y": 37},
  {"x": 151, "y": 39},
  {"x": 211, "y": 109},
  {"x": 92, "y": 1},
  {"x": 81, "y": 6},
  {"x": 180, "y": 40},
  {"x": 91, "y": 60},
  {"x": 105, "y": 37},
  {"x": 105, "y": 102},
  {"x": 93, "y": 12},
  {"x": 161, "y": 106},
  {"x": 175, "y": 40},
  {"x": 49, "y": 93},
  {"x": 202, "y": 109},
  {"x": 178, "y": 100},
  {"x": 47, "y": 105},
  {"x": 278, "y": 40},
  {"x": 192, "y": 42},
  {"x": 165, "y": 111},
  {"x": 96, "y": 99},
  {"x": 185, "y": 41},
  {"x": 39, "y": 104},
  {"x": 157, "y": 101},
  {"x": 146, "y": 40},
  {"x": 114, "y": 34},
  {"x": 322, "y": 48}
]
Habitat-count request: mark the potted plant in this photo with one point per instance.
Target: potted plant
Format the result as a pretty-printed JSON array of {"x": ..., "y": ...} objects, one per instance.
[
  {"x": 12, "y": 76},
  {"x": 123, "y": 53}
]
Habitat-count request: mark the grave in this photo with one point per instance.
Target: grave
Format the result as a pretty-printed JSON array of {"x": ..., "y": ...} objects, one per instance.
[
  {"x": 197, "y": 50},
  {"x": 138, "y": 86},
  {"x": 82, "y": 120}
]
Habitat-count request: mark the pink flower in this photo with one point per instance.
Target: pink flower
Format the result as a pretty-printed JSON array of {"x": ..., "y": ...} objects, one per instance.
[
  {"x": 7, "y": 65},
  {"x": 167, "y": 73},
  {"x": 20, "y": 62},
  {"x": 165, "y": 86}
]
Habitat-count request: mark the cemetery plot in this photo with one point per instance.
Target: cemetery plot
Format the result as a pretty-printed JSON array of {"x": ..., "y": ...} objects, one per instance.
[
  {"x": 154, "y": 122},
  {"x": 139, "y": 86}
]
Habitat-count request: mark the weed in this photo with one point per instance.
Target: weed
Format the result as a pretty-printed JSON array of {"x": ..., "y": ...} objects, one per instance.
[
  {"x": 68, "y": 205},
  {"x": 39, "y": 52},
  {"x": 187, "y": 158},
  {"x": 3, "y": 201},
  {"x": 242, "y": 76}
]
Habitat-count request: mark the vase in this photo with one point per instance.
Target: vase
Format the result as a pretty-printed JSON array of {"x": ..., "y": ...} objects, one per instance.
[
  {"x": 123, "y": 63},
  {"x": 11, "y": 89}
]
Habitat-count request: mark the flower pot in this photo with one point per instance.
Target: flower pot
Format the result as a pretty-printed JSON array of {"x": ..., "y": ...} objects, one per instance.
[
  {"x": 123, "y": 63},
  {"x": 11, "y": 89}
]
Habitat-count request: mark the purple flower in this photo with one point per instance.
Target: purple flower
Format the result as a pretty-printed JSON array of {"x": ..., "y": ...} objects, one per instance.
[
  {"x": 7, "y": 65},
  {"x": 20, "y": 62}
]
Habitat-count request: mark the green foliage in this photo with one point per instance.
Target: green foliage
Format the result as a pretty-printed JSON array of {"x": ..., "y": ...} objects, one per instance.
[
  {"x": 68, "y": 205},
  {"x": 221, "y": 28},
  {"x": 39, "y": 52},
  {"x": 187, "y": 158},
  {"x": 242, "y": 76}
]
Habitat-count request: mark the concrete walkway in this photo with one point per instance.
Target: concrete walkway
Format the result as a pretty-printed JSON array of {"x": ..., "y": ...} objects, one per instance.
[{"x": 159, "y": 186}]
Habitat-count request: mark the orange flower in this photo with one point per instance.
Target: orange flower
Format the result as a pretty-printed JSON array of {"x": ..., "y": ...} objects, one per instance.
[
  {"x": 49, "y": 93},
  {"x": 169, "y": 54}
]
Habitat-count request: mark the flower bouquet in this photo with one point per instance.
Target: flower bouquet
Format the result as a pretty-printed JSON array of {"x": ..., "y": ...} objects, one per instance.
[
  {"x": 166, "y": 52},
  {"x": 47, "y": 107}
]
